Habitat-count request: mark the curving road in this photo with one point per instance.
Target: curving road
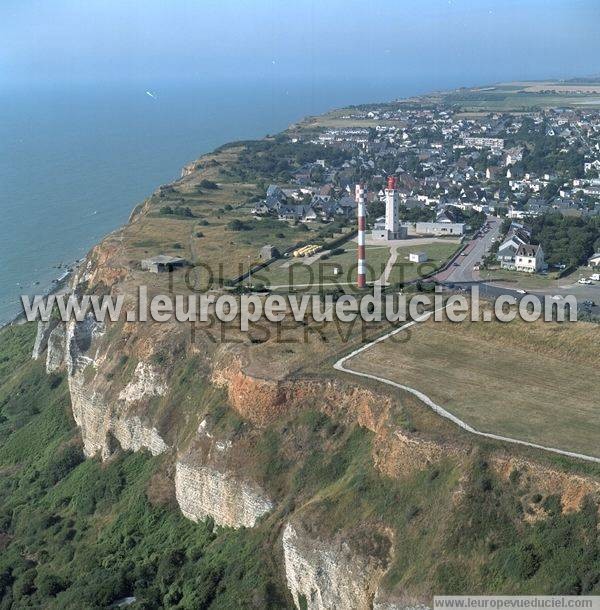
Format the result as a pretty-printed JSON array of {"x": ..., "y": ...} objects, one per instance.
[{"x": 341, "y": 366}]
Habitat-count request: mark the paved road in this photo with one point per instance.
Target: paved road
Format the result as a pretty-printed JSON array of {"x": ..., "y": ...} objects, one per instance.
[
  {"x": 475, "y": 251},
  {"x": 461, "y": 273}
]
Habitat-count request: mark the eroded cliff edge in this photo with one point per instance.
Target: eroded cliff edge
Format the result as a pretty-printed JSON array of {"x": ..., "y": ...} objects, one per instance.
[
  {"x": 361, "y": 490},
  {"x": 248, "y": 451}
]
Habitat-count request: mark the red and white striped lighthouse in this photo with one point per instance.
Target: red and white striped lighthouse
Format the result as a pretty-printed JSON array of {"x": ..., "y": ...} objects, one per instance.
[{"x": 361, "y": 213}]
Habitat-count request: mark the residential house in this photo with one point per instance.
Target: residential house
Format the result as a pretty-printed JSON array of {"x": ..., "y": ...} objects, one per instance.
[
  {"x": 508, "y": 248},
  {"x": 529, "y": 258}
]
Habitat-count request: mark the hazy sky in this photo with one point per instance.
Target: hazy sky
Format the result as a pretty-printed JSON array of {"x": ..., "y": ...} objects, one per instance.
[{"x": 461, "y": 41}]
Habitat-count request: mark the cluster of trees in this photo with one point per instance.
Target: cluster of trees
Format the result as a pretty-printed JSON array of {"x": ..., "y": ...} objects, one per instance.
[
  {"x": 566, "y": 240},
  {"x": 470, "y": 217},
  {"x": 276, "y": 159},
  {"x": 183, "y": 211},
  {"x": 208, "y": 185},
  {"x": 543, "y": 152}
]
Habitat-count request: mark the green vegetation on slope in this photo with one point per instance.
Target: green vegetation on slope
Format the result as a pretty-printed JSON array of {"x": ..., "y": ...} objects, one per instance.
[
  {"x": 80, "y": 534},
  {"x": 458, "y": 528}
]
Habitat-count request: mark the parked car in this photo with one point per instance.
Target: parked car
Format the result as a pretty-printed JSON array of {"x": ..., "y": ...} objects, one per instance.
[{"x": 584, "y": 280}]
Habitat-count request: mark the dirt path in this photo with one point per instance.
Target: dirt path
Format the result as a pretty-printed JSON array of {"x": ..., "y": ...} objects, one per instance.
[{"x": 385, "y": 276}]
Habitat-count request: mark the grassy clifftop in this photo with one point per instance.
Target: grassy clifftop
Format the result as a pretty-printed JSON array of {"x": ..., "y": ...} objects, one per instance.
[{"x": 81, "y": 534}]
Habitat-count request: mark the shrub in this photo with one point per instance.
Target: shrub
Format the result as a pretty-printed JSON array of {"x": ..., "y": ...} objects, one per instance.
[
  {"x": 552, "y": 505},
  {"x": 209, "y": 185},
  {"x": 50, "y": 585},
  {"x": 24, "y": 585},
  {"x": 239, "y": 225},
  {"x": 54, "y": 380},
  {"x": 61, "y": 464},
  {"x": 177, "y": 211},
  {"x": 522, "y": 563},
  {"x": 183, "y": 211}
]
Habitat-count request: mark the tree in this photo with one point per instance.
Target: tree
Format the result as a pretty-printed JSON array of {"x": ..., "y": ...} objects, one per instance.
[
  {"x": 209, "y": 185},
  {"x": 238, "y": 225}
]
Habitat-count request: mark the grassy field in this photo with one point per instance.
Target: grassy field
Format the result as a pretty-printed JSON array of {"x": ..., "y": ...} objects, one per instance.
[
  {"x": 204, "y": 234},
  {"x": 437, "y": 254},
  {"x": 525, "y": 280},
  {"x": 321, "y": 271},
  {"x": 535, "y": 281},
  {"x": 535, "y": 382}
]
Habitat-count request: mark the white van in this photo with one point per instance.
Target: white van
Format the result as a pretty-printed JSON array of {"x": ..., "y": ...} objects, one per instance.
[{"x": 595, "y": 277}]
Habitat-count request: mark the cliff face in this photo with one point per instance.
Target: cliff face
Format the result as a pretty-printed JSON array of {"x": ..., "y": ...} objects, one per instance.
[
  {"x": 323, "y": 575},
  {"x": 151, "y": 387},
  {"x": 102, "y": 419},
  {"x": 263, "y": 401},
  {"x": 56, "y": 355},
  {"x": 41, "y": 339},
  {"x": 203, "y": 491},
  {"x": 119, "y": 386}
]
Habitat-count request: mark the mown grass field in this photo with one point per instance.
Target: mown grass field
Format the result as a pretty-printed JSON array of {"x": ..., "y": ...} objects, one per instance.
[
  {"x": 526, "y": 280},
  {"x": 535, "y": 382},
  {"x": 535, "y": 281},
  {"x": 437, "y": 254},
  {"x": 321, "y": 271}
]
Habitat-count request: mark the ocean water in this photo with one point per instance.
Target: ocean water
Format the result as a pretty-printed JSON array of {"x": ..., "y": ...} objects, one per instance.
[{"x": 75, "y": 160}]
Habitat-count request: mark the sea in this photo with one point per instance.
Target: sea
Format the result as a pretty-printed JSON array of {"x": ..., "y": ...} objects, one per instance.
[{"x": 75, "y": 159}]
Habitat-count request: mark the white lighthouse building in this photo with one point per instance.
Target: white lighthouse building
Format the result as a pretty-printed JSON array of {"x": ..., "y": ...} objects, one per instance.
[
  {"x": 388, "y": 227},
  {"x": 391, "y": 207}
]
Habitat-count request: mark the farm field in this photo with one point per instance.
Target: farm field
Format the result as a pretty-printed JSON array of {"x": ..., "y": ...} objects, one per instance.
[
  {"x": 518, "y": 96},
  {"x": 533, "y": 382}
]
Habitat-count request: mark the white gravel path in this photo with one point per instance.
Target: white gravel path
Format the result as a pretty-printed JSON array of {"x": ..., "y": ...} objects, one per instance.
[{"x": 340, "y": 366}]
